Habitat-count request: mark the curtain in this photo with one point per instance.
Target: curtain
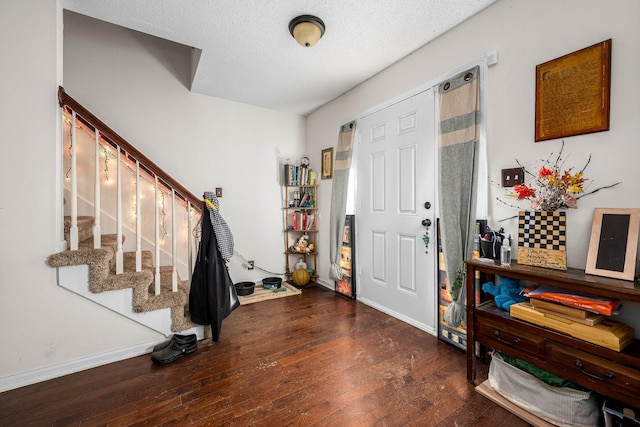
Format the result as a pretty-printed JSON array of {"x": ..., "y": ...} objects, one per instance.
[
  {"x": 459, "y": 130},
  {"x": 341, "y": 166}
]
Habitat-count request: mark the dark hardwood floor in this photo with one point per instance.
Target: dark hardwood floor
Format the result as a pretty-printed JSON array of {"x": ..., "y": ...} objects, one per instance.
[{"x": 310, "y": 360}]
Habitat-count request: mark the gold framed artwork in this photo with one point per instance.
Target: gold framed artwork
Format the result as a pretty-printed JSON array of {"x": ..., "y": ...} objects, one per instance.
[
  {"x": 613, "y": 247},
  {"x": 573, "y": 93},
  {"x": 327, "y": 163}
]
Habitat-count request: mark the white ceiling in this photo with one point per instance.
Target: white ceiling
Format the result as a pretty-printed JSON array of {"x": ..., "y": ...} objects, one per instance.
[{"x": 248, "y": 55}]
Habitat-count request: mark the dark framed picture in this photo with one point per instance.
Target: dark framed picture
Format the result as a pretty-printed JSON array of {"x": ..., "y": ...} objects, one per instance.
[
  {"x": 327, "y": 163},
  {"x": 573, "y": 93},
  {"x": 613, "y": 248},
  {"x": 347, "y": 285}
]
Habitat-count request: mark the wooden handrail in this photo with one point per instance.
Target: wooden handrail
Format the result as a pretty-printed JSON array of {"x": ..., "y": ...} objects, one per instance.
[{"x": 127, "y": 149}]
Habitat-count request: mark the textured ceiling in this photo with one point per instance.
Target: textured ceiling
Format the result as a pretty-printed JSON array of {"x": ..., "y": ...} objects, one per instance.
[{"x": 247, "y": 54}]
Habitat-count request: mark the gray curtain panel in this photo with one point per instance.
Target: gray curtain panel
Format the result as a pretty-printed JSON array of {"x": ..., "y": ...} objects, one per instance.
[
  {"x": 459, "y": 110},
  {"x": 341, "y": 166}
]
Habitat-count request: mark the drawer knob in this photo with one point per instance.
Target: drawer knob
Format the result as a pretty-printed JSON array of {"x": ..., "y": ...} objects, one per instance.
[
  {"x": 607, "y": 376},
  {"x": 516, "y": 340}
]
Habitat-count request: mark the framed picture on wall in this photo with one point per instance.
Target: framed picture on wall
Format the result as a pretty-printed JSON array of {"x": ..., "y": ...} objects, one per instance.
[
  {"x": 613, "y": 247},
  {"x": 573, "y": 93},
  {"x": 327, "y": 163}
]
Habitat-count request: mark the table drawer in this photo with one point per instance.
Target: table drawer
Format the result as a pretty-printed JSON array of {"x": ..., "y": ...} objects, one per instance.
[
  {"x": 504, "y": 337},
  {"x": 594, "y": 372}
]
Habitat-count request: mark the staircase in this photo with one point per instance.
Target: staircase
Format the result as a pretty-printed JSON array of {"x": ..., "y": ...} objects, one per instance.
[
  {"x": 171, "y": 307},
  {"x": 127, "y": 282}
]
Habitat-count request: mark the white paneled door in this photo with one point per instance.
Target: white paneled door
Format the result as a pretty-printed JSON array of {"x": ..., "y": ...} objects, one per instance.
[{"x": 396, "y": 183}]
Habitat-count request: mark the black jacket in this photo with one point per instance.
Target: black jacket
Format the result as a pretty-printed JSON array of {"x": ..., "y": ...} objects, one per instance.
[{"x": 212, "y": 296}]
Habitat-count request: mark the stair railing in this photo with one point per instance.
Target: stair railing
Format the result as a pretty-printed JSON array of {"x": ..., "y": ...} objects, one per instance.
[{"x": 132, "y": 158}]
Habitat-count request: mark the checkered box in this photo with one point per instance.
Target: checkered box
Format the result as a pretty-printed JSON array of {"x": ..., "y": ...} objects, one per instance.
[{"x": 542, "y": 238}]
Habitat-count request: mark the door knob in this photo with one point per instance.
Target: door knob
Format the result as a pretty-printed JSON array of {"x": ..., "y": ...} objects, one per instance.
[
  {"x": 427, "y": 205},
  {"x": 426, "y": 222}
]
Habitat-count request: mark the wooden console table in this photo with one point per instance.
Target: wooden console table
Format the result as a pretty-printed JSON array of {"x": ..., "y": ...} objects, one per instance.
[{"x": 608, "y": 372}]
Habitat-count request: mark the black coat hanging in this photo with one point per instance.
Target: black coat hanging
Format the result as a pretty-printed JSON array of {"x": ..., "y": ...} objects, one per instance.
[{"x": 212, "y": 296}]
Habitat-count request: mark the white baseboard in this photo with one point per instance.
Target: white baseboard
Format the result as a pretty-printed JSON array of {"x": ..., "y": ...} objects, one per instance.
[
  {"x": 69, "y": 367},
  {"x": 327, "y": 283}
]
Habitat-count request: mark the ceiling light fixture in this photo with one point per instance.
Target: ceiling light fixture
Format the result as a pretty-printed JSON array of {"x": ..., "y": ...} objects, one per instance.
[{"x": 306, "y": 29}]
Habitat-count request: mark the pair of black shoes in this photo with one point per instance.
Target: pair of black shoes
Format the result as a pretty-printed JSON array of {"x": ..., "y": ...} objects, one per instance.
[{"x": 177, "y": 347}]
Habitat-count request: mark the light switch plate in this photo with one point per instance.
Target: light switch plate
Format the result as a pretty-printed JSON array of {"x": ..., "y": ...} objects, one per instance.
[
  {"x": 218, "y": 192},
  {"x": 513, "y": 176}
]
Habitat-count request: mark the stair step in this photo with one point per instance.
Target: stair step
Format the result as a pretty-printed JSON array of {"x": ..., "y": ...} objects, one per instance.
[
  {"x": 129, "y": 261},
  {"x": 105, "y": 240},
  {"x": 166, "y": 275},
  {"x": 85, "y": 227},
  {"x": 166, "y": 272}
]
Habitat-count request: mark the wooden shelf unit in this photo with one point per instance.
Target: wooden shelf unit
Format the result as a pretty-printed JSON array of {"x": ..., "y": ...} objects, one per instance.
[
  {"x": 291, "y": 234},
  {"x": 608, "y": 372}
]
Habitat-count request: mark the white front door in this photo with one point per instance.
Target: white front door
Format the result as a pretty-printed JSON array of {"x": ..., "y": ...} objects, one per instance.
[{"x": 396, "y": 177}]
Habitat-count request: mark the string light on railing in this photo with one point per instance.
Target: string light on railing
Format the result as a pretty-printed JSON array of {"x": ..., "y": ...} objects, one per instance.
[
  {"x": 163, "y": 215},
  {"x": 70, "y": 151},
  {"x": 186, "y": 224},
  {"x": 134, "y": 205},
  {"x": 106, "y": 163}
]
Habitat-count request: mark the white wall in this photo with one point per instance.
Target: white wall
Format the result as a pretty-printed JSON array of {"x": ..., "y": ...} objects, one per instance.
[
  {"x": 137, "y": 85},
  {"x": 43, "y": 325},
  {"x": 524, "y": 34}
]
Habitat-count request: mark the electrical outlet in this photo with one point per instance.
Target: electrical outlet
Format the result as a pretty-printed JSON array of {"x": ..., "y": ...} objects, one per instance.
[
  {"x": 218, "y": 192},
  {"x": 250, "y": 265},
  {"x": 513, "y": 176}
]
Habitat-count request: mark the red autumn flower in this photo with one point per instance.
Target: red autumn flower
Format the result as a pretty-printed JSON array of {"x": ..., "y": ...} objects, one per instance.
[
  {"x": 544, "y": 172},
  {"x": 524, "y": 192}
]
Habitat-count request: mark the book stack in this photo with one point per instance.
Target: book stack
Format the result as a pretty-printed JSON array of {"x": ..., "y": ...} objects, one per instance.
[
  {"x": 306, "y": 200},
  {"x": 299, "y": 175},
  {"x": 580, "y": 316},
  {"x": 302, "y": 221}
]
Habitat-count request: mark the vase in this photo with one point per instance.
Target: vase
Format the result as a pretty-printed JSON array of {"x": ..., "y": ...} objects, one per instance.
[{"x": 542, "y": 238}]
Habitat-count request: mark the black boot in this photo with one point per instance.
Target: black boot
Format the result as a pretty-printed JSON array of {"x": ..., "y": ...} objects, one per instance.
[
  {"x": 173, "y": 351},
  {"x": 180, "y": 339}
]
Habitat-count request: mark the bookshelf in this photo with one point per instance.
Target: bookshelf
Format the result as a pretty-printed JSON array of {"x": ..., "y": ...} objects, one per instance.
[{"x": 300, "y": 197}]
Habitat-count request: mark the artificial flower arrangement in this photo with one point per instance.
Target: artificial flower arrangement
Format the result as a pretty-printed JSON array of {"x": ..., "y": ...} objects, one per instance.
[{"x": 554, "y": 187}]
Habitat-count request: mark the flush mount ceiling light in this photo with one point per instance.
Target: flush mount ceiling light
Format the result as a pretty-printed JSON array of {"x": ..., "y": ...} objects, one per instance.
[{"x": 306, "y": 29}]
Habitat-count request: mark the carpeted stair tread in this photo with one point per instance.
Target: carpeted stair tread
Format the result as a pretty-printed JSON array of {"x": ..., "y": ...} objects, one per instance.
[
  {"x": 166, "y": 280},
  {"x": 106, "y": 240},
  {"x": 98, "y": 260},
  {"x": 129, "y": 261},
  {"x": 85, "y": 227}
]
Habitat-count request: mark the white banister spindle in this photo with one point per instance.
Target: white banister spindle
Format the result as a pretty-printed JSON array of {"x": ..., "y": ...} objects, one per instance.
[
  {"x": 189, "y": 246},
  {"x": 138, "y": 221},
  {"x": 174, "y": 243},
  {"x": 119, "y": 252},
  {"x": 97, "y": 229},
  {"x": 157, "y": 238},
  {"x": 73, "y": 228}
]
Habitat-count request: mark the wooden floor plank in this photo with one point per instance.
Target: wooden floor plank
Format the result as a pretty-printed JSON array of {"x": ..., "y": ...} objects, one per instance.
[{"x": 316, "y": 359}]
